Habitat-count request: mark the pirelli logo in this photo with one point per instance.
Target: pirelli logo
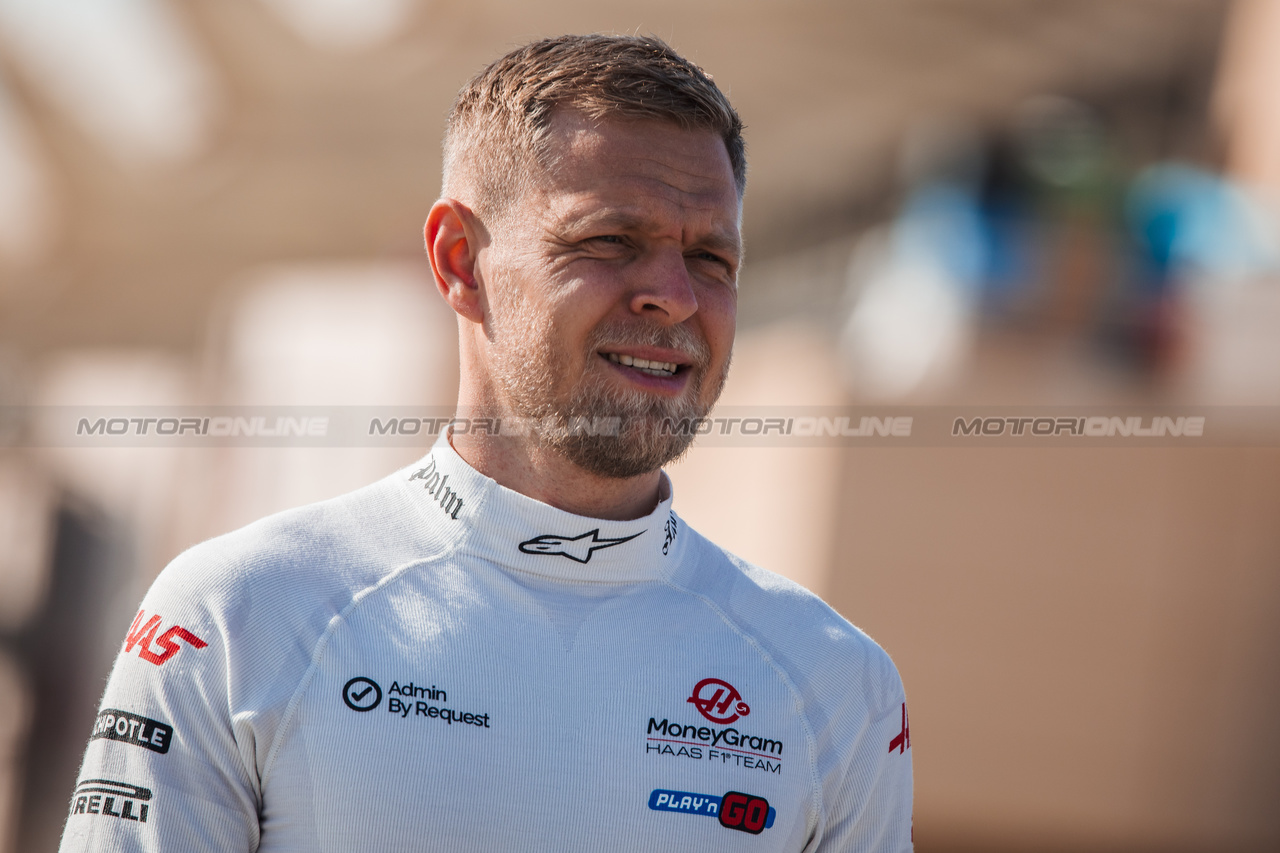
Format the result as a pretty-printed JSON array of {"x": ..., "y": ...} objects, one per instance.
[{"x": 108, "y": 798}]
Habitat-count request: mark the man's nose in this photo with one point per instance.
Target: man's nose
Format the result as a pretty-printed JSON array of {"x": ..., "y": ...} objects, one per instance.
[{"x": 663, "y": 289}]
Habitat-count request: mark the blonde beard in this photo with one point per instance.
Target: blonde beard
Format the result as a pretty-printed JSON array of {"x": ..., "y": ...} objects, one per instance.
[{"x": 525, "y": 370}]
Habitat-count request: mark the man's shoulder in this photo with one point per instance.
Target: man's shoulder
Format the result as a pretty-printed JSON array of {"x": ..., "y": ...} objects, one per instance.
[
  {"x": 347, "y": 540},
  {"x": 803, "y": 634},
  {"x": 755, "y": 591}
]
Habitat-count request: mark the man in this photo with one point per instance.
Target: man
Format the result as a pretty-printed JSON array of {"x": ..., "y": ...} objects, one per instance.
[{"x": 515, "y": 644}]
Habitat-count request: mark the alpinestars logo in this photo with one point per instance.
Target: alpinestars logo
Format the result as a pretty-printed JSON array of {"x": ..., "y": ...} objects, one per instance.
[
  {"x": 576, "y": 548},
  {"x": 142, "y": 634},
  {"x": 715, "y": 699}
]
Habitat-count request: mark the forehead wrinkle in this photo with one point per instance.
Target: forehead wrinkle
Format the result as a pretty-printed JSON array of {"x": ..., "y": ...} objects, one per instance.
[
  {"x": 698, "y": 179},
  {"x": 726, "y": 239},
  {"x": 685, "y": 188},
  {"x": 633, "y": 215},
  {"x": 636, "y": 188},
  {"x": 702, "y": 182},
  {"x": 639, "y": 192}
]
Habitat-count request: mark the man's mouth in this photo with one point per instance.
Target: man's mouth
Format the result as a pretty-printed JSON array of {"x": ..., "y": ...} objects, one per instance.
[{"x": 653, "y": 368}]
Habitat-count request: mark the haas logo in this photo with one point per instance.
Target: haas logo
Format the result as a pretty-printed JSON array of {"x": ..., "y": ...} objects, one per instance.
[
  {"x": 718, "y": 701},
  {"x": 902, "y": 740},
  {"x": 142, "y": 634}
]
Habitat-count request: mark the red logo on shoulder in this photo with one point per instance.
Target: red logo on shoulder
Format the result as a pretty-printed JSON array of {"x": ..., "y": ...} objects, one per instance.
[
  {"x": 718, "y": 701},
  {"x": 902, "y": 740},
  {"x": 142, "y": 634}
]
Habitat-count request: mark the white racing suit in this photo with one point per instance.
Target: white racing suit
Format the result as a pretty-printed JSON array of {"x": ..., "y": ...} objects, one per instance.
[{"x": 435, "y": 662}]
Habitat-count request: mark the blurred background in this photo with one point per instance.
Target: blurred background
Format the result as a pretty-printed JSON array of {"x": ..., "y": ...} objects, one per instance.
[{"x": 986, "y": 202}]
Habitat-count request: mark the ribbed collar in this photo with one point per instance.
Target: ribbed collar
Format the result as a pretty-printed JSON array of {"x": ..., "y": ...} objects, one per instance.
[{"x": 517, "y": 532}]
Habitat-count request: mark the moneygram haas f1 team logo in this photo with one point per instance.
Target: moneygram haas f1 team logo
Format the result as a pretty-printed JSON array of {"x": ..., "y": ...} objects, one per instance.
[
  {"x": 576, "y": 548},
  {"x": 718, "y": 701},
  {"x": 142, "y": 633}
]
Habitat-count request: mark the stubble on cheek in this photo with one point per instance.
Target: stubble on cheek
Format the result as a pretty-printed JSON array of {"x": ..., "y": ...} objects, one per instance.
[{"x": 523, "y": 362}]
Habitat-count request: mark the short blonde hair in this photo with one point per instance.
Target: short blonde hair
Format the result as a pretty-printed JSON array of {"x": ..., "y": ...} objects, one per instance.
[{"x": 497, "y": 133}]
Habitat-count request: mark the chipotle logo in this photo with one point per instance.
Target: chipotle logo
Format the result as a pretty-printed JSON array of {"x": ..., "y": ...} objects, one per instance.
[{"x": 154, "y": 645}]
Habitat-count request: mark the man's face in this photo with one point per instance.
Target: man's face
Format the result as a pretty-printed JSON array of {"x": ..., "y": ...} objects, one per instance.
[{"x": 612, "y": 289}]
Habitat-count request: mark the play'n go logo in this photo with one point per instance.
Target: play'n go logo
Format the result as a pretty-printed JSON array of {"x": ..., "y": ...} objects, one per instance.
[{"x": 718, "y": 701}]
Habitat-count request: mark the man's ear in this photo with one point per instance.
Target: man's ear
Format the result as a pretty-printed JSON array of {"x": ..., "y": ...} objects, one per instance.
[{"x": 453, "y": 241}]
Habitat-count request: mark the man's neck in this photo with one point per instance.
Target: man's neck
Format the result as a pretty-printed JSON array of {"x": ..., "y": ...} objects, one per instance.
[{"x": 535, "y": 471}]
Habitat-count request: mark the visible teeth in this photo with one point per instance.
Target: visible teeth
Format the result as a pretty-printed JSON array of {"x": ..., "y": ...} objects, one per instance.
[{"x": 654, "y": 368}]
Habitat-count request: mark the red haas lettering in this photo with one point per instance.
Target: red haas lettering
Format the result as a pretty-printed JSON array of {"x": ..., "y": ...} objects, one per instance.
[
  {"x": 902, "y": 740},
  {"x": 142, "y": 634}
]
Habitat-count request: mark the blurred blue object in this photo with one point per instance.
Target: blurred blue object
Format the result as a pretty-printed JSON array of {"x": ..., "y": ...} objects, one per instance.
[
  {"x": 941, "y": 225},
  {"x": 1195, "y": 224}
]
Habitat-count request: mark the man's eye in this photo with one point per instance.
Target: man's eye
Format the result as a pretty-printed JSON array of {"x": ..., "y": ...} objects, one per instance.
[
  {"x": 611, "y": 239},
  {"x": 711, "y": 257}
]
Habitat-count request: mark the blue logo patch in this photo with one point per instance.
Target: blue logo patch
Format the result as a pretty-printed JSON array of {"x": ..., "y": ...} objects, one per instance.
[{"x": 702, "y": 804}]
